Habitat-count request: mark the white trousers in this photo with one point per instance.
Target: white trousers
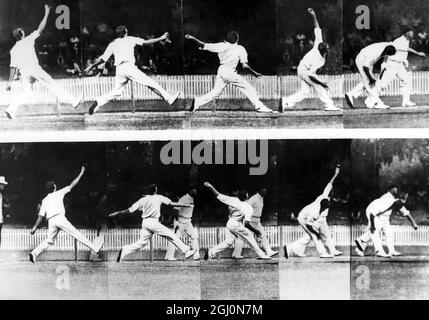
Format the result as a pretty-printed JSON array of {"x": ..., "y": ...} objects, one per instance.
[
  {"x": 372, "y": 92},
  {"x": 187, "y": 228},
  {"x": 382, "y": 226},
  {"x": 299, "y": 246},
  {"x": 225, "y": 76},
  {"x": 126, "y": 72},
  {"x": 56, "y": 224},
  {"x": 305, "y": 91},
  {"x": 322, "y": 227},
  {"x": 150, "y": 227},
  {"x": 394, "y": 70},
  {"x": 235, "y": 230},
  {"x": 261, "y": 240},
  {"x": 28, "y": 77}
]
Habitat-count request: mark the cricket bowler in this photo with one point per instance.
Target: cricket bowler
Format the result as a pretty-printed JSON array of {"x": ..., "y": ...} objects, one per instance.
[
  {"x": 253, "y": 223},
  {"x": 378, "y": 213},
  {"x": 150, "y": 206},
  {"x": 183, "y": 224},
  {"x": 230, "y": 55},
  {"x": 307, "y": 68},
  {"x": 308, "y": 219},
  {"x": 122, "y": 48},
  {"x": 52, "y": 209},
  {"x": 365, "y": 61},
  {"x": 396, "y": 66},
  {"x": 23, "y": 58},
  {"x": 234, "y": 227}
]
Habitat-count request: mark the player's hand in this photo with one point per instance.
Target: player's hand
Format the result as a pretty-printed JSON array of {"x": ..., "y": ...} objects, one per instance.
[
  {"x": 325, "y": 85},
  {"x": 258, "y": 75},
  {"x": 415, "y": 227},
  {"x": 372, "y": 229},
  {"x": 87, "y": 70},
  {"x": 337, "y": 169},
  {"x": 82, "y": 170},
  {"x": 311, "y": 11},
  {"x": 207, "y": 184},
  {"x": 8, "y": 88},
  {"x": 165, "y": 36},
  {"x": 422, "y": 54},
  {"x": 33, "y": 231},
  {"x": 188, "y": 37},
  {"x": 47, "y": 8}
]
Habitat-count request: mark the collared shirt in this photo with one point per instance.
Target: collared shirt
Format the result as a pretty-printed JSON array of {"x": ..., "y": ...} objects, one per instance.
[
  {"x": 312, "y": 212},
  {"x": 185, "y": 213},
  {"x": 382, "y": 206},
  {"x": 123, "y": 50},
  {"x": 238, "y": 209},
  {"x": 23, "y": 54},
  {"x": 313, "y": 60},
  {"x": 372, "y": 53},
  {"x": 230, "y": 54},
  {"x": 53, "y": 204},
  {"x": 257, "y": 203},
  {"x": 402, "y": 44},
  {"x": 150, "y": 206}
]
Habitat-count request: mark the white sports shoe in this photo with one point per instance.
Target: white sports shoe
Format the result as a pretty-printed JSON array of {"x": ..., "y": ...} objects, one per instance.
[
  {"x": 395, "y": 254},
  {"x": 333, "y": 108},
  {"x": 337, "y": 253},
  {"x": 326, "y": 255},
  {"x": 382, "y": 255},
  {"x": 264, "y": 257},
  {"x": 381, "y": 105},
  {"x": 174, "y": 98},
  {"x": 273, "y": 253},
  {"x": 408, "y": 104},
  {"x": 171, "y": 259},
  {"x": 264, "y": 109},
  {"x": 359, "y": 252},
  {"x": 285, "y": 105},
  {"x": 190, "y": 253},
  {"x": 77, "y": 101}
]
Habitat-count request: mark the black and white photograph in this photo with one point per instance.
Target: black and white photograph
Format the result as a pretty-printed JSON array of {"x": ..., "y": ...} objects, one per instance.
[{"x": 211, "y": 150}]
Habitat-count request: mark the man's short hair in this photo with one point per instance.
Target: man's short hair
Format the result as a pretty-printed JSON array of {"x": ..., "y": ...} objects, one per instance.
[
  {"x": 406, "y": 29},
  {"x": 232, "y": 37},
  {"x": 242, "y": 195},
  {"x": 391, "y": 186},
  {"x": 390, "y": 50},
  {"x": 323, "y": 47},
  {"x": 151, "y": 189},
  {"x": 50, "y": 186},
  {"x": 121, "y": 31},
  {"x": 17, "y": 33}
]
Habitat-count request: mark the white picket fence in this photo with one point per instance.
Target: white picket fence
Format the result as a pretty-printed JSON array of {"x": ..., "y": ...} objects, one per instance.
[
  {"x": 14, "y": 239},
  {"x": 268, "y": 87}
]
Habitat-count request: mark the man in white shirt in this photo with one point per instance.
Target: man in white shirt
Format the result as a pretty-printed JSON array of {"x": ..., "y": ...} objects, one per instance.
[
  {"x": 234, "y": 227},
  {"x": 150, "y": 206},
  {"x": 253, "y": 223},
  {"x": 378, "y": 213},
  {"x": 122, "y": 48},
  {"x": 396, "y": 66},
  {"x": 307, "y": 68},
  {"x": 230, "y": 55},
  {"x": 52, "y": 209},
  {"x": 183, "y": 224},
  {"x": 3, "y": 184},
  {"x": 365, "y": 61},
  {"x": 23, "y": 58},
  {"x": 307, "y": 219}
]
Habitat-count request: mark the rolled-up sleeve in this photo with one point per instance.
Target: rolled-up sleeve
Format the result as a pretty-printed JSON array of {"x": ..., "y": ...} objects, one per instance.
[
  {"x": 318, "y": 38},
  {"x": 107, "y": 53},
  {"x": 229, "y": 201},
  {"x": 136, "y": 206},
  {"x": 214, "y": 47}
]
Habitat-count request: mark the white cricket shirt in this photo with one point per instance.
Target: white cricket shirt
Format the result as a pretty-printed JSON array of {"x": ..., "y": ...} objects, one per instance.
[
  {"x": 53, "y": 204},
  {"x": 185, "y": 213},
  {"x": 312, "y": 212},
  {"x": 313, "y": 60},
  {"x": 400, "y": 44},
  {"x": 238, "y": 209},
  {"x": 123, "y": 50},
  {"x": 23, "y": 54},
  {"x": 229, "y": 54},
  {"x": 372, "y": 53},
  {"x": 150, "y": 206},
  {"x": 257, "y": 203},
  {"x": 382, "y": 205}
]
